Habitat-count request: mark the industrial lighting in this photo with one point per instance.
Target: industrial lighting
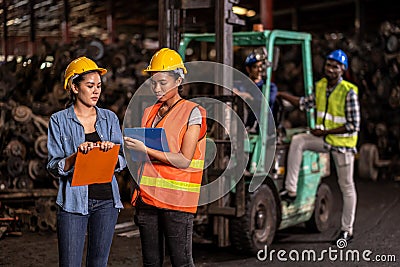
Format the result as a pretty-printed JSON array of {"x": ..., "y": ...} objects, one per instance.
[
  {"x": 189, "y": 51},
  {"x": 239, "y": 10},
  {"x": 14, "y": 21},
  {"x": 243, "y": 11},
  {"x": 10, "y": 22},
  {"x": 250, "y": 13},
  {"x": 49, "y": 58},
  {"x": 46, "y": 65}
]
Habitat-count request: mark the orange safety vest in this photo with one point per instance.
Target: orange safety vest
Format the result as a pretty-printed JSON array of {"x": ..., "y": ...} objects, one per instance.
[{"x": 163, "y": 185}]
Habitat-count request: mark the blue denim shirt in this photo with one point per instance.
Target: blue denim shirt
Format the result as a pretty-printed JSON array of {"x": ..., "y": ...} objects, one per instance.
[{"x": 65, "y": 134}]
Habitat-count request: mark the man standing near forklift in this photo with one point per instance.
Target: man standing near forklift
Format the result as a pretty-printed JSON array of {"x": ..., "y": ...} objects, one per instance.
[
  {"x": 256, "y": 65},
  {"x": 336, "y": 131}
]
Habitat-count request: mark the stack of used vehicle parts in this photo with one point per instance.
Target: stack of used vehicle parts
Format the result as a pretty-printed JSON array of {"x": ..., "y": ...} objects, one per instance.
[
  {"x": 25, "y": 152},
  {"x": 30, "y": 91},
  {"x": 376, "y": 69}
]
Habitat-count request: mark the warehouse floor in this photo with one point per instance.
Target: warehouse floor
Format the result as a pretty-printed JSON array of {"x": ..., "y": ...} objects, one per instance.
[{"x": 376, "y": 229}]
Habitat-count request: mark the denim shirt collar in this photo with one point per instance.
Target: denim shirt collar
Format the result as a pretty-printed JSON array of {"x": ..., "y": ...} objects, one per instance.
[{"x": 71, "y": 114}]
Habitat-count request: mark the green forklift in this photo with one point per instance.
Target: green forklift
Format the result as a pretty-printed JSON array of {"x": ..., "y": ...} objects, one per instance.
[{"x": 248, "y": 216}]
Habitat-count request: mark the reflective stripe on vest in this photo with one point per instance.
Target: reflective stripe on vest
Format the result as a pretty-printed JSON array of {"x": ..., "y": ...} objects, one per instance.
[
  {"x": 332, "y": 114},
  {"x": 330, "y": 117},
  {"x": 195, "y": 163},
  {"x": 170, "y": 184},
  {"x": 163, "y": 185}
]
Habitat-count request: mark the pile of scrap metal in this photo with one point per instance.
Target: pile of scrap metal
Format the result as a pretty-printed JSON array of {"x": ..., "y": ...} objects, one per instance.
[
  {"x": 33, "y": 210},
  {"x": 9, "y": 225},
  {"x": 376, "y": 67},
  {"x": 30, "y": 91},
  {"x": 40, "y": 216},
  {"x": 24, "y": 148}
]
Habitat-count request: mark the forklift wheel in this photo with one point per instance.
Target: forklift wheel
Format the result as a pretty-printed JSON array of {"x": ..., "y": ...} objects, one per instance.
[
  {"x": 256, "y": 228},
  {"x": 320, "y": 219}
]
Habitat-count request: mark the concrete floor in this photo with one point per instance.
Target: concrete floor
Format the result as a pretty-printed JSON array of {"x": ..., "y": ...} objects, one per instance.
[{"x": 376, "y": 229}]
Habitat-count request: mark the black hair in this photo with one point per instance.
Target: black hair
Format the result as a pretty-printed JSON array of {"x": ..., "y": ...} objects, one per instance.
[
  {"x": 71, "y": 99},
  {"x": 177, "y": 76},
  {"x": 77, "y": 81}
]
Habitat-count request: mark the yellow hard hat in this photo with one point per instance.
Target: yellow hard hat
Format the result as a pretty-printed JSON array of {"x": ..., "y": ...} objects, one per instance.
[
  {"x": 79, "y": 66},
  {"x": 166, "y": 60}
]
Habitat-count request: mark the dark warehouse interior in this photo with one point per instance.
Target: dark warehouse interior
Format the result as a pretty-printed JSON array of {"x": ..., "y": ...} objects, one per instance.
[{"x": 40, "y": 38}]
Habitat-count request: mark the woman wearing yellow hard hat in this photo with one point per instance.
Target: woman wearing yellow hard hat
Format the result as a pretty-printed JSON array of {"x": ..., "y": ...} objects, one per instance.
[
  {"x": 170, "y": 183},
  {"x": 88, "y": 209}
]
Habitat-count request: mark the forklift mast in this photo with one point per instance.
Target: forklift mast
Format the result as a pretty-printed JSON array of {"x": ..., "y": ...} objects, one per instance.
[
  {"x": 248, "y": 216},
  {"x": 170, "y": 36}
]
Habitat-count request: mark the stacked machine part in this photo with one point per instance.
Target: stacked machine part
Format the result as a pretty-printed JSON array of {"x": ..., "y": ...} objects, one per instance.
[{"x": 31, "y": 89}]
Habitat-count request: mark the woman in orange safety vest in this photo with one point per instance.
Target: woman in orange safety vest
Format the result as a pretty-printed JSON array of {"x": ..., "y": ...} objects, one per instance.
[{"x": 170, "y": 183}]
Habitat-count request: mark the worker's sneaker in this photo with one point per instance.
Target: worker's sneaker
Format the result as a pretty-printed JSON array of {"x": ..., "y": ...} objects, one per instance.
[
  {"x": 343, "y": 239},
  {"x": 287, "y": 196}
]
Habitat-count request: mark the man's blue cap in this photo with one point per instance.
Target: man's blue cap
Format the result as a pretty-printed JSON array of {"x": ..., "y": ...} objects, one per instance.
[
  {"x": 339, "y": 56},
  {"x": 251, "y": 59}
]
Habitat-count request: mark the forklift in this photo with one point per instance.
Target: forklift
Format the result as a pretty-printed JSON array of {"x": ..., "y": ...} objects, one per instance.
[
  {"x": 247, "y": 169},
  {"x": 248, "y": 216}
]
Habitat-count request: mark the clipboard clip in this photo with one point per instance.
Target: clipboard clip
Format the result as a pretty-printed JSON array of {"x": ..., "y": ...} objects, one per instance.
[{"x": 97, "y": 144}]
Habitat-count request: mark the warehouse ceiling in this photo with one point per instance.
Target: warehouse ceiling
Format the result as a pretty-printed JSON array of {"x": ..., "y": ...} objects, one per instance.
[
  {"x": 84, "y": 16},
  {"x": 89, "y": 17}
]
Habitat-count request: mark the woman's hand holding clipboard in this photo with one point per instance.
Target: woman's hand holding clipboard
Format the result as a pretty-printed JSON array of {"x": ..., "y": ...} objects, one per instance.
[{"x": 97, "y": 165}]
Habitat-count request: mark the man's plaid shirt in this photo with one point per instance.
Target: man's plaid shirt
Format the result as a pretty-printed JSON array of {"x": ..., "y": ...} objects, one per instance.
[{"x": 353, "y": 118}]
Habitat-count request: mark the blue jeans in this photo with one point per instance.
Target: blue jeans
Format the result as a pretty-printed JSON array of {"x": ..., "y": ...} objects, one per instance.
[
  {"x": 99, "y": 225},
  {"x": 177, "y": 229}
]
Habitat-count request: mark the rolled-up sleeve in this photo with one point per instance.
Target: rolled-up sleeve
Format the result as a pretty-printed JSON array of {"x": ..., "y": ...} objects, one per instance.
[
  {"x": 307, "y": 102},
  {"x": 302, "y": 105},
  {"x": 56, "y": 154},
  {"x": 353, "y": 117}
]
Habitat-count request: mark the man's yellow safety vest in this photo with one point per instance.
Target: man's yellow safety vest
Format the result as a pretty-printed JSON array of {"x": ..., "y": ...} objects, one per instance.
[{"x": 331, "y": 113}]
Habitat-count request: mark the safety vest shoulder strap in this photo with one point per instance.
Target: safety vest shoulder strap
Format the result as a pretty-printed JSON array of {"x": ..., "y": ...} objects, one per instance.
[
  {"x": 166, "y": 186},
  {"x": 149, "y": 115}
]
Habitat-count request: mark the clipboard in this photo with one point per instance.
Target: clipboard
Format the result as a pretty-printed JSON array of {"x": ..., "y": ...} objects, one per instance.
[
  {"x": 154, "y": 138},
  {"x": 95, "y": 167}
]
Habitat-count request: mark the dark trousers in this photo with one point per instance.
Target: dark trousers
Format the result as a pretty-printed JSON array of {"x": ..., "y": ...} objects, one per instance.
[{"x": 175, "y": 226}]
